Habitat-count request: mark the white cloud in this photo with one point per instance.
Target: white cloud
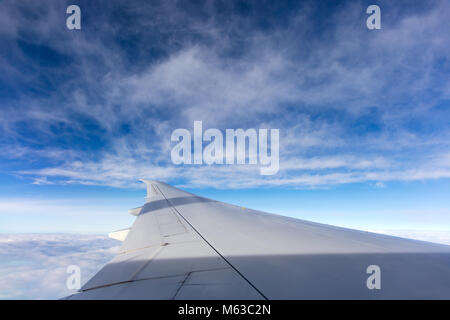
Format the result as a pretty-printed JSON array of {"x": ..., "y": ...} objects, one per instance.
[
  {"x": 294, "y": 172},
  {"x": 33, "y": 266},
  {"x": 437, "y": 236},
  {"x": 276, "y": 80}
]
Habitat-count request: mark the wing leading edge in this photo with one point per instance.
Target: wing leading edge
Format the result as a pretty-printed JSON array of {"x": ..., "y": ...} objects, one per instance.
[{"x": 182, "y": 246}]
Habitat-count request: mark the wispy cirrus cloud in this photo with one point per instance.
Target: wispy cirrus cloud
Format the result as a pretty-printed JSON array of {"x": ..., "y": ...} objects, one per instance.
[{"x": 351, "y": 106}]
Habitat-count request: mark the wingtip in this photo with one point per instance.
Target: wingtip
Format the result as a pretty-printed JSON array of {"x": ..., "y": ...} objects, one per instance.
[{"x": 151, "y": 190}]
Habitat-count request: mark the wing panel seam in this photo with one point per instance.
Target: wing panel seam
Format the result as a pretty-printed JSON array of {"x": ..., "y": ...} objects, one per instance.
[{"x": 228, "y": 262}]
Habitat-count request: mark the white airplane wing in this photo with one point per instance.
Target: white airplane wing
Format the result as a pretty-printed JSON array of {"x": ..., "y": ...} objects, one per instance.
[{"x": 182, "y": 246}]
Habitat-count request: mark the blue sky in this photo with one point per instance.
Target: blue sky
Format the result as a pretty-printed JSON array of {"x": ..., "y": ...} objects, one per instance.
[{"x": 363, "y": 114}]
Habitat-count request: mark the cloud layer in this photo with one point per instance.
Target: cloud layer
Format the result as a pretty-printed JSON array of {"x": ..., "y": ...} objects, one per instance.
[
  {"x": 33, "y": 266},
  {"x": 423, "y": 235}
]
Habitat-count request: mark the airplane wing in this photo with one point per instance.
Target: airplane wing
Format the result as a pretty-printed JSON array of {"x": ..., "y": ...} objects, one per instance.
[{"x": 182, "y": 246}]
